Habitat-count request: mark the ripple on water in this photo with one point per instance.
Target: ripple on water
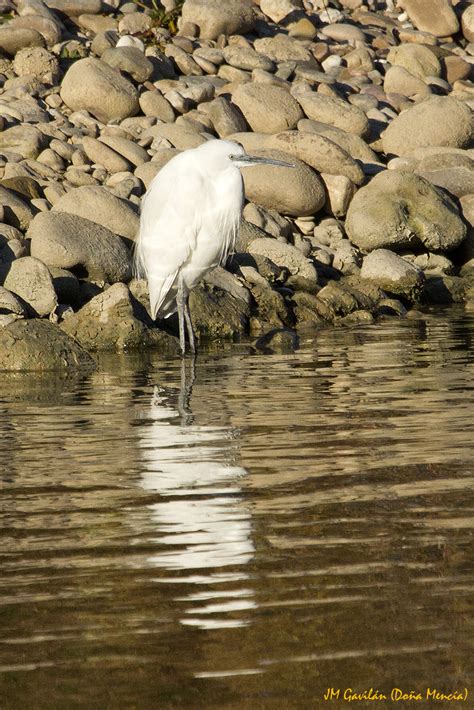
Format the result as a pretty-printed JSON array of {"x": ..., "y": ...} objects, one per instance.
[{"x": 299, "y": 521}]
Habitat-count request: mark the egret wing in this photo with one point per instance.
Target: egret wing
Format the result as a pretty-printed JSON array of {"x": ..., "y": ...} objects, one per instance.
[{"x": 169, "y": 224}]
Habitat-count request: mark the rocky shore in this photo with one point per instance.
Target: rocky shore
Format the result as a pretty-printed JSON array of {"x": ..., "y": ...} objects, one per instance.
[{"x": 372, "y": 101}]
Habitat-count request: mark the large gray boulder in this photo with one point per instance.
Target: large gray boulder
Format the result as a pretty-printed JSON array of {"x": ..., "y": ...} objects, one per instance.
[
  {"x": 214, "y": 17},
  {"x": 334, "y": 111},
  {"x": 29, "y": 279},
  {"x": 401, "y": 210},
  {"x": 99, "y": 205},
  {"x": 130, "y": 60},
  {"x": 321, "y": 153},
  {"x": 434, "y": 16},
  {"x": 438, "y": 121},
  {"x": 296, "y": 191},
  {"x": 13, "y": 39},
  {"x": 393, "y": 274},
  {"x": 451, "y": 171},
  {"x": 39, "y": 345},
  {"x": 71, "y": 242},
  {"x": 28, "y": 141},
  {"x": 114, "y": 320},
  {"x": 267, "y": 108},
  {"x": 417, "y": 59},
  {"x": 93, "y": 85}
]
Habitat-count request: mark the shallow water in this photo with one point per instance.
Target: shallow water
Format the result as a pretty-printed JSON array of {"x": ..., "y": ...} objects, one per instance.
[{"x": 296, "y": 522}]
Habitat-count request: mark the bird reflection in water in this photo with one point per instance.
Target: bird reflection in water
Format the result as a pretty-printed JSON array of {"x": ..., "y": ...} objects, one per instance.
[{"x": 201, "y": 518}]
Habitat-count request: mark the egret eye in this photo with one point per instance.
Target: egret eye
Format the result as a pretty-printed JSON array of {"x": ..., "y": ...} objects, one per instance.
[{"x": 232, "y": 156}]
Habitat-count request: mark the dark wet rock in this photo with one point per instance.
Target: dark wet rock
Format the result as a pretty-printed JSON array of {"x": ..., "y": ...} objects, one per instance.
[
  {"x": 217, "y": 314},
  {"x": 71, "y": 242},
  {"x": 114, "y": 320},
  {"x": 270, "y": 309},
  {"x": 445, "y": 289},
  {"x": 390, "y": 307},
  {"x": 277, "y": 340},
  {"x": 339, "y": 300},
  {"x": 355, "y": 318},
  {"x": 393, "y": 274},
  {"x": 38, "y": 345},
  {"x": 66, "y": 286},
  {"x": 401, "y": 210},
  {"x": 303, "y": 275},
  {"x": 31, "y": 281}
]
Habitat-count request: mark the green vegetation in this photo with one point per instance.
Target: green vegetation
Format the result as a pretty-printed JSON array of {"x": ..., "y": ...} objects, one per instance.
[
  {"x": 6, "y": 17},
  {"x": 162, "y": 18}
]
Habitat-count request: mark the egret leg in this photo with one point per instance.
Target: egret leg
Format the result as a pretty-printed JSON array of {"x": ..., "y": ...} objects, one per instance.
[
  {"x": 185, "y": 392},
  {"x": 180, "y": 302},
  {"x": 189, "y": 325}
]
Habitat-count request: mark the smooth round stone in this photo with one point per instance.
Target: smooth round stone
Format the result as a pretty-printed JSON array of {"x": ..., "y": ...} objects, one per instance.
[
  {"x": 29, "y": 279},
  {"x": 434, "y": 16},
  {"x": 416, "y": 59},
  {"x": 400, "y": 81},
  {"x": 14, "y": 39},
  {"x": 266, "y": 108},
  {"x": 47, "y": 27},
  {"x": 467, "y": 23},
  {"x": 401, "y": 210},
  {"x": 277, "y": 10},
  {"x": 102, "y": 207},
  {"x": 247, "y": 59},
  {"x": 334, "y": 111},
  {"x": 100, "y": 153},
  {"x": 153, "y": 103},
  {"x": 130, "y": 60},
  {"x": 71, "y": 242},
  {"x": 438, "y": 121},
  {"x": 342, "y": 32},
  {"x": 282, "y": 48},
  {"x": 294, "y": 191},
  {"x": 92, "y": 85},
  {"x": 214, "y": 18}
]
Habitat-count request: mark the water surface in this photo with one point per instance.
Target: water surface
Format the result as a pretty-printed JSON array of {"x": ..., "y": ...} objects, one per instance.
[{"x": 298, "y": 521}]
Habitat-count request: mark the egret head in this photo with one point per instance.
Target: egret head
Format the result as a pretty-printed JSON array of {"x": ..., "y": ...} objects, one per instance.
[{"x": 222, "y": 154}]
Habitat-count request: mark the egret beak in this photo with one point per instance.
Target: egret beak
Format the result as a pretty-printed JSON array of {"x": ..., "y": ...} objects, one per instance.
[{"x": 245, "y": 161}]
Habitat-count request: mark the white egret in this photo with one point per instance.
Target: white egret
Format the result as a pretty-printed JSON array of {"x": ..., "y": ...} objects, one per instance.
[{"x": 190, "y": 217}]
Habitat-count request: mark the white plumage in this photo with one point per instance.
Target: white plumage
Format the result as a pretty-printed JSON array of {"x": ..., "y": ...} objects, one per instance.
[{"x": 190, "y": 217}]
